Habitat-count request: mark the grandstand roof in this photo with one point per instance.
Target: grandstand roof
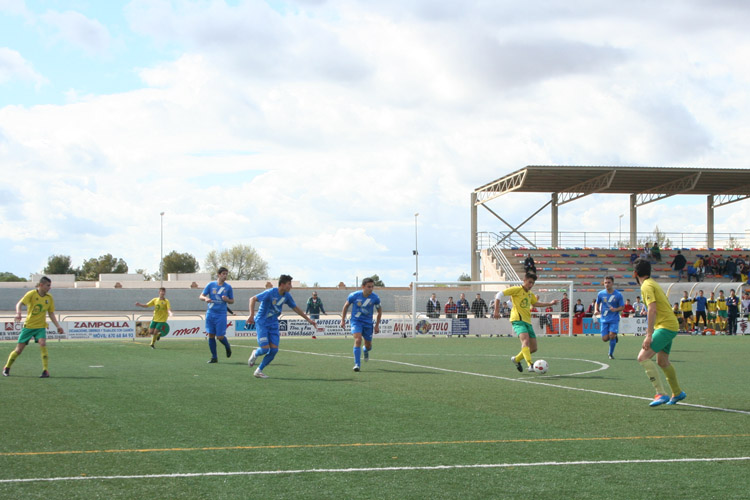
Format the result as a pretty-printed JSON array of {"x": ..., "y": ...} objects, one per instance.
[{"x": 627, "y": 180}]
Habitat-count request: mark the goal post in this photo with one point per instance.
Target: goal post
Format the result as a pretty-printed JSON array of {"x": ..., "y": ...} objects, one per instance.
[{"x": 545, "y": 291}]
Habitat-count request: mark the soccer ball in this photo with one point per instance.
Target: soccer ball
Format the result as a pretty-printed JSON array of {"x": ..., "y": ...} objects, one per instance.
[
  {"x": 541, "y": 366},
  {"x": 423, "y": 327}
]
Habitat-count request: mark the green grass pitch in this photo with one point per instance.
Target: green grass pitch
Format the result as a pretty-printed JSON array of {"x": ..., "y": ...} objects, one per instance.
[{"x": 425, "y": 418}]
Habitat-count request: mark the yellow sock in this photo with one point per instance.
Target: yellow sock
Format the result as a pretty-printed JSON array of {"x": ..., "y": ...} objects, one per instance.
[
  {"x": 526, "y": 354},
  {"x": 153, "y": 338},
  {"x": 671, "y": 375},
  {"x": 45, "y": 357},
  {"x": 11, "y": 358},
  {"x": 653, "y": 376}
]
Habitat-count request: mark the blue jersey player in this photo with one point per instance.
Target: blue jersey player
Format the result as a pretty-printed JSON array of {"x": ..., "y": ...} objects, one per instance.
[
  {"x": 609, "y": 303},
  {"x": 217, "y": 294},
  {"x": 267, "y": 321},
  {"x": 363, "y": 303}
]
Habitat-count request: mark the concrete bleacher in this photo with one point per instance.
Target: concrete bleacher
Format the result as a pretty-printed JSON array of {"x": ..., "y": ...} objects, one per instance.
[{"x": 587, "y": 267}]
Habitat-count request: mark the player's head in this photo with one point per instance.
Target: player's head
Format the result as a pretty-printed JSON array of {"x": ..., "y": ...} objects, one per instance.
[
  {"x": 222, "y": 273},
  {"x": 450, "y": 299},
  {"x": 627, "y": 301},
  {"x": 162, "y": 292},
  {"x": 315, "y": 295},
  {"x": 642, "y": 269},
  {"x": 528, "y": 280},
  {"x": 712, "y": 295},
  {"x": 463, "y": 296},
  {"x": 700, "y": 292},
  {"x": 721, "y": 293},
  {"x": 609, "y": 283},
  {"x": 368, "y": 284},
  {"x": 44, "y": 285},
  {"x": 685, "y": 294},
  {"x": 731, "y": 292}
]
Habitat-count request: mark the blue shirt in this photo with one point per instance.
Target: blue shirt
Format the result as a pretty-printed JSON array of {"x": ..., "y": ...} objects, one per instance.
[
  {"x": 608, "y": 301},
  {"x": 363, "y": 307},
  {"x": 700, "y": 303},
  {"x": 215, "y": 292},
  {"x": 271, "y": 302}
]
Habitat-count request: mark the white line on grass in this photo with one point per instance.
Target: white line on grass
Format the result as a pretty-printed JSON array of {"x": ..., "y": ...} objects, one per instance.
[
  {"x": 375, "y": 469},
  {"x": 525, "y": 381}
]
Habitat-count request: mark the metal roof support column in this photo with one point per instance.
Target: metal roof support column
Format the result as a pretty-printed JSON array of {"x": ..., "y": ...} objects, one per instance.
[
  {"x": 633, "y": 220},
  {"x": 474, "y": 247},
  {"x": 710, "y": 220},
  {"x": 555, "y": 234}
]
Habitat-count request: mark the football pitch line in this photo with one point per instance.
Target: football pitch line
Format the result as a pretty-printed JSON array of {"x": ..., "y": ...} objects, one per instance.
[
  {"x": 526, "y": 381},
  {"x": 376, "y": 469}
]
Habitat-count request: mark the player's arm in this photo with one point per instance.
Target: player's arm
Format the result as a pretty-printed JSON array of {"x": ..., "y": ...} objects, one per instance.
[
  {"x": 141, "y": 305},
  {"x": 53, "y": 317},
  {"x": 251, "y": 305},
  {"x": 343, "y": 314},
  {"x": 205, "y": 298},
  {"x": 376, "y": 329},
  {"x": 227, "y": 298},
  {"x": 496, "y": 314},
  {"x": 307, "y": 318},
  {"x": 18, "y": 310},
  {"x": 546, "y": 304}
]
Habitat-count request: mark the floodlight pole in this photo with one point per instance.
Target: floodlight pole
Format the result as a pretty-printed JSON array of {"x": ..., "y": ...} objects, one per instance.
[
  {"x": 161, "y": 252},
  {"x": 416, "y": 248}
]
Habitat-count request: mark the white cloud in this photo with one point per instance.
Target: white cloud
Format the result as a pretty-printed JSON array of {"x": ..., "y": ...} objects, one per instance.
[
  {"x": 14, "y": 67},
  {"x": 80, "y": 31}
]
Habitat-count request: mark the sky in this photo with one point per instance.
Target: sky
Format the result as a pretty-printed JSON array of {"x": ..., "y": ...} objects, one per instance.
[{"x": 315, "y": 130}]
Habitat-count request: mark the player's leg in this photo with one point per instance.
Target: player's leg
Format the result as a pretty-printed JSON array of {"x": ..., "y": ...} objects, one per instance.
[
  {"x": 211, "y": 332},
  {"x": 154, "y": 335},
  {"x": 614, "y": 329},
  {"x": 645, "y": 358},
  {"x": 23, "y": 340},
  {"x": 220, "y": 330},
  {"x": 261, "y": 335},
  {"x": 273, "y": 348},
  {"x": 367, "y": 341},
  {"x": 44, "y": 354},
  {"x": 357, "y": 334}
]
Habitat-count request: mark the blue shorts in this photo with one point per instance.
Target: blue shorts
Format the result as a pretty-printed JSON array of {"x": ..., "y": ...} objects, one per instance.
[
  {"x": 606, "y": 327},
  {"x": 267, "y": 335},
  {"x": 364, "y": 329},
  {"x": 216, "y": 324}
]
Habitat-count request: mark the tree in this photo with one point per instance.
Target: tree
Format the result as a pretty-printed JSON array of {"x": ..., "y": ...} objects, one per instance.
[
  {"x": 6, "y": 276},
  {"x": 175, "y": 262},
  {"x": 242, "y": 261},
  {"x": 377, "y": 280},
  {"x": 464, "y": 277},
  {"x": 106, "y": 264},
  {"x": 59, "y": 264}
]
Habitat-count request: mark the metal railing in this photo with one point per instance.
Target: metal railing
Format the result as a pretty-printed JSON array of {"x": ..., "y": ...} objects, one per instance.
[{"x": 609, "y": 239}]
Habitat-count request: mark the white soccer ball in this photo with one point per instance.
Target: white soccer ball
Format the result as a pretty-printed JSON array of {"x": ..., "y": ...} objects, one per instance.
[{"x": 541, "y": 366}]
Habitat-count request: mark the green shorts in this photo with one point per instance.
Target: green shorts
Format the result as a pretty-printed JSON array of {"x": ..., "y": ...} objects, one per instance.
[
  {"x": 723, "y": 314},
  {"x": 522, "y": 327},
  {"x": 661, "y": 341},
  {"x": 29, "y": 333},
  {"x": 162, "y": 327}
]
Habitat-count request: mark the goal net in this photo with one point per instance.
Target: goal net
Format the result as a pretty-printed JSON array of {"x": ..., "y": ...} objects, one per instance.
[{"x": 463, "y": 307}]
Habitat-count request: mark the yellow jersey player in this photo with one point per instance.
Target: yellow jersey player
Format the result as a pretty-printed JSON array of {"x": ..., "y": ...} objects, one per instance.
[
  {"x": 721, "y": 308},
  {"x": 162, "y": 311},
  {"x": 520, "y": 318},
  {"x": 38, "y": 304},
  {"x": 661, "y": 330}
]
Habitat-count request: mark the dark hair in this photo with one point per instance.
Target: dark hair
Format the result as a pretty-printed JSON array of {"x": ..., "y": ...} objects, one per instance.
[
  {"x": 284, "y": 278},
  {"x": 642, "y": 267},
  {"x": 531, "y": 275},
  {"x": 162, "y": 288},
  {"x": 611, "y": 278},
  {"x": 368, "y": 280},
  {"x": 45, "y": 280},
  {"x": 222, "y": 269}
]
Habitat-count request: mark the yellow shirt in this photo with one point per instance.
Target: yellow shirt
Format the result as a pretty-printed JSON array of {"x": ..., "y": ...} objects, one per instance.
[
  {"x": 686, "y": 305},
  {"x": 161, "y": 309},
  {"x": 522, "y": 302},
  {"x": 37, "y": 308},
  {"x": 665, "y": 318},
  {"x": 711, "y": 305},
  {"x": 721, "y": 304}
]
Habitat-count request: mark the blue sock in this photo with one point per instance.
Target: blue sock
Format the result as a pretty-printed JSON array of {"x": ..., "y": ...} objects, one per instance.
[
  {"x": 261, "y": 351},
  {"x": 357, "y": 355},
  {"x": 224, "y": 341},
  {"x": 268, "y": 358},
  {"x": 612, "y": 344},
  {"x": 212, "y": 346}
]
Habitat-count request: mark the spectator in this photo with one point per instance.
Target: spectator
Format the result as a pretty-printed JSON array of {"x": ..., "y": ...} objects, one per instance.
[
  {"x": 700, "y": 309},
  {"x": 710, "y": 262},
  {"x": 730, "y": 268},
  {"x": 720, "y": 264},
  {"x": 565, "y": 306},
  {"x": 633, "y": 256},
  {"x": 433, "y": 307},
  {"x": 451, "y": 308},
  {"x": 504, "y": 310},
  {"x": 639, "y": 307},
  {"x": 314, "y": 307},
  {"x": 578, "y": 312},
  {"x": 699, "y": 265},
  {"x": 591, "y": 309},
  {"x": 746, "y": 304},
  {"x": 678, "y": 264},
  {"x": 686, "y": 306},
  {"x": 628, "y": 309},
  {"x": 528, "y": 264},
  {"x": 479, "y": 307},
  {"x": 655, "y": 252},
  {"x": 733, "y": 311},
  {"x": 462, "y": 307}
]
